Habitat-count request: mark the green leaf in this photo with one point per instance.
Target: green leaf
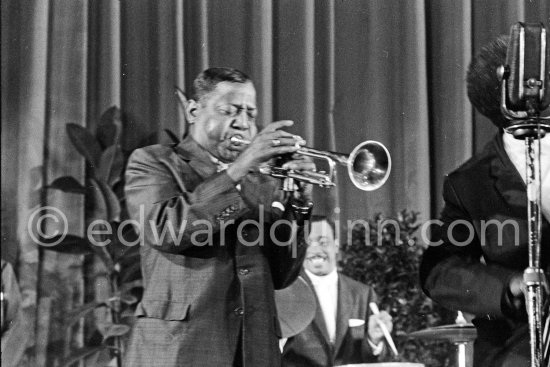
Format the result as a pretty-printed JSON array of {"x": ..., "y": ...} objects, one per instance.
[
  {"x": 71, "y": 244},
  {"x": 67, "y": 184},
  {"x": 97, "y": 207},
  {"x": 128, "y": 299},
  {"x": 35, "y": 174},
  {"x": 85, "y": 143},
  {"x": 127, "y": 313},
  {"x": 112, "y": 202},
  {"x": 97, "y": 210},
  {"x": 109, "y": 127},
  {"x": 105, "y": 203},
  {"x": 111, "y": 165},
  {"x": 131, "y": 271},
  {"x": 74, "y": 315},
  {"x": 101, "y": 359},
  {"x": 126, "y": 287},
  {"x": 92, "y": 359},
  {"x": 114, "y": 330},
  {"x": 102, "y": 253},
  {"x": 120, "y": 250},
  {"x": 80, "y": 354},
  {"x": 35, "y": 198}
]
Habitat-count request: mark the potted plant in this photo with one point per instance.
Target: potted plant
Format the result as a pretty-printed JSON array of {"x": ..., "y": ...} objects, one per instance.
[{"x": 104, "y": 211}]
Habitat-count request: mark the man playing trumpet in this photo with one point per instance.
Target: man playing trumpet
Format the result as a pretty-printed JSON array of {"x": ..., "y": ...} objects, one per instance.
[{"x": 214, "y": 248}]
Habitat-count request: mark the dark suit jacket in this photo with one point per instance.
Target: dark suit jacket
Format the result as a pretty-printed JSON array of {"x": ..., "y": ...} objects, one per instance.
[
  {"x": 208, "y": 288},
  {"x": 487, "y": 187},
  {"x": 312, "y": 348}
]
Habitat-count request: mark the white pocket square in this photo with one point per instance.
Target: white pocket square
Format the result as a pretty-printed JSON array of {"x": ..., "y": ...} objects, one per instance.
[{"x": 356, "y": 322}]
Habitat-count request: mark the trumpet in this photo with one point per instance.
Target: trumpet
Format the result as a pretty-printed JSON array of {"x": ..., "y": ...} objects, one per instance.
[{"x": 368, "y": 165}]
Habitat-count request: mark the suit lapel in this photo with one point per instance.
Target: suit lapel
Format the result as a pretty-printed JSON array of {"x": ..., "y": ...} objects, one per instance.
[
  {"x": 198, "y": 158},
  {"x": 343, "y": 312},
  {"x": 507, "y": 180},
  {"x": 319, "y": 319},
  {"x": 511, "y": 187}
]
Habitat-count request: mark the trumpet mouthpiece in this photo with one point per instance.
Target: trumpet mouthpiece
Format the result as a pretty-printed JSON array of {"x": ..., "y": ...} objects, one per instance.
[{"x": 236, "y": 139}]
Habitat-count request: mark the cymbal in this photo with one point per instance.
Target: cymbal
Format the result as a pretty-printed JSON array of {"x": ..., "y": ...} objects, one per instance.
[
  {"x": 296, "y": 306},
  {"x": 454, "y": 333}
]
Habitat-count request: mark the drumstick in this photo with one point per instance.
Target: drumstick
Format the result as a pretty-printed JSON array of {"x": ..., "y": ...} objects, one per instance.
[{"x": 387, "y": 335}]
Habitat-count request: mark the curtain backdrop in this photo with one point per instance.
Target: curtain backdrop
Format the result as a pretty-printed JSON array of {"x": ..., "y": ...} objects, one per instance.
[{"x": 344, "y": 71}]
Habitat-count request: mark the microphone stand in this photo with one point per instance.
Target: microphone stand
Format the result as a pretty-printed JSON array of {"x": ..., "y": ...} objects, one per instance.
[{"x": 529, "y": 126}]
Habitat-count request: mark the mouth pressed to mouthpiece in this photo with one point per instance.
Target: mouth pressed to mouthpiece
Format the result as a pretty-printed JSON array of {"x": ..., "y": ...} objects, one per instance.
[{"x": 238, "y": 140}]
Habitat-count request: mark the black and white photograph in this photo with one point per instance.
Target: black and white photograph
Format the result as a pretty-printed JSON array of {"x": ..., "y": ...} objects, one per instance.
[{"x": 275, "y": 183}]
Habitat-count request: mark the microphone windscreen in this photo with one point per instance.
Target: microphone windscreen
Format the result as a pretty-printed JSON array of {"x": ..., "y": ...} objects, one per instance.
[{"x": 528, "y": 57}]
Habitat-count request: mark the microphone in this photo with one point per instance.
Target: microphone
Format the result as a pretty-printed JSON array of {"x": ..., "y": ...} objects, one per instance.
[
  {"x": 525, "y": 93},
  {"x": 525, "y": 81},
  {"x": 528, "y": 60}
]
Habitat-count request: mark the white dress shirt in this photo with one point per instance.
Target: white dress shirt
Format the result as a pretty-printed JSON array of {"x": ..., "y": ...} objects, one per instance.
[
  {"x": 326, "y": 288},
  {"x": 515, "y": 149}
]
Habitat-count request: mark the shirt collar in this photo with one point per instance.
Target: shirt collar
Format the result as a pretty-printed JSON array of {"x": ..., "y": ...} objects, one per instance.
[
  {"x": 329, "y": 279},
  {"x": 198, "y": 157},
  {"x": 221, "y": 166},
  {"x": 515, "y": 148}
]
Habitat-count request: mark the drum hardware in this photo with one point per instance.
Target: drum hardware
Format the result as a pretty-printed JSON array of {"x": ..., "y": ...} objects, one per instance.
[{"x": 459, "y": 334}]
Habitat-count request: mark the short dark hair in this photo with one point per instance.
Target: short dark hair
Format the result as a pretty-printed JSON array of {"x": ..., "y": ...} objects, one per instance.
[
  {"x": 323, "y": 218},
  {"x": 207, "y": 80},
  {"x": 482, "y": 81}
]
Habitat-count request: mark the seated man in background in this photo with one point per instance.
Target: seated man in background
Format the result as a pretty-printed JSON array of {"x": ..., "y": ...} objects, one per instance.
[
  {"x": 479, "y": 251},
  {"x": 344, "y": 330}
]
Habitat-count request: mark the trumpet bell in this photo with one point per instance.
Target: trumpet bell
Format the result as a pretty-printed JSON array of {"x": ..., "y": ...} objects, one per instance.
[{"x": 369, "y": 165}]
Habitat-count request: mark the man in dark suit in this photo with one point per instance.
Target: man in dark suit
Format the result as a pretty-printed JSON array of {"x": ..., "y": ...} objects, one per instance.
[
  {"x": 479, "y": 249},
  {"x": 212, "y": 255},
  {"x": 344, "y": 329}
]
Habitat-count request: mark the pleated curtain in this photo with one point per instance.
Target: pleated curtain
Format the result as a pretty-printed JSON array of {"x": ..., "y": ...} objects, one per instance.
[{"x": 344, "y": 70}]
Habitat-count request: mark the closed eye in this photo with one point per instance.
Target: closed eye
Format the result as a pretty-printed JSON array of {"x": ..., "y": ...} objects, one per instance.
[
  {"x": 234, "y": 111},
  {"x": 230, "y": 111}
]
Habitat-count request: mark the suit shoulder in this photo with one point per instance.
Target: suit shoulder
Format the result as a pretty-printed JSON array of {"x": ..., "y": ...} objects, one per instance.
[
  {"x": 149, "y": 160},
  {"x": 477, "y": 166},
  {"x": 152, "y": 152},
  {"x": 355, "y": 285}
]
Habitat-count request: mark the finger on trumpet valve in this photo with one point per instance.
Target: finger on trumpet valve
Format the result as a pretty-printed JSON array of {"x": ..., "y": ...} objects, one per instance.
[{"x": 299, "y": 140}]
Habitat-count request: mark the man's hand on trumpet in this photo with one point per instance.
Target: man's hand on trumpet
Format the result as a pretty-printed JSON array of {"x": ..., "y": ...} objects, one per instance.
[
  {"x": 302, "y": 191},
  {"x": 271, "y": 142}
]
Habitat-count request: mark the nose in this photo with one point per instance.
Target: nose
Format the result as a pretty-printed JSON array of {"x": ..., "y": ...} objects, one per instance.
[
  {"x": 241, "y": 121},
  {"x": 313, "y": 243}
]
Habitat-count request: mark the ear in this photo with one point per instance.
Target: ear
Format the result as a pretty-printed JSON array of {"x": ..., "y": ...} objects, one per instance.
[
  {"x": 188, "y": 105},
  {"x": 191, "y": 111}
]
